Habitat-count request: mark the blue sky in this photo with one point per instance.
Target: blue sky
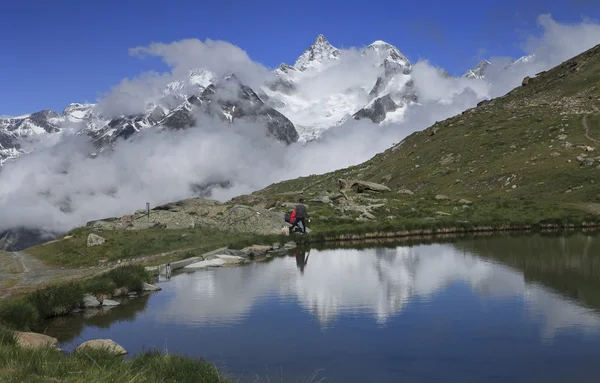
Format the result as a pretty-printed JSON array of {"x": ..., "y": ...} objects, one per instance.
[{"x": 54, "y": 53}]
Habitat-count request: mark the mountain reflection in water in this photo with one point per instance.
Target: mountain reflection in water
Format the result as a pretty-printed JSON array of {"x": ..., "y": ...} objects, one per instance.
[{"x": 502, "y": 308}]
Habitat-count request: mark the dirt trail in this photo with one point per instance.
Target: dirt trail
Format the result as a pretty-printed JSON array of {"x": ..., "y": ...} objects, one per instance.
[{"x": 20, "y": 271}]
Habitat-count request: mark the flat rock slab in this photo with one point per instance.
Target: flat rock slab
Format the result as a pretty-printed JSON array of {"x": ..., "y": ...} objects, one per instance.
[
  {"x": 34, "y": 340},
  {"x": 110, "y": 302},
  {"x": 204, "y": 264},
  {"x": 102, "y": 344}
]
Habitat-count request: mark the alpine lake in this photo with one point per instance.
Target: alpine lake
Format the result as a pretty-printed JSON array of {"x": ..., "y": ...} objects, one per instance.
[{"x": 487, "y": 308}]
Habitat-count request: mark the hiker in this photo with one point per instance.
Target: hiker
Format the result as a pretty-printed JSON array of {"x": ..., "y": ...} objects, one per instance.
[
  {"x": 301, "y": 215},
  {"x": 290, "y": 217}
]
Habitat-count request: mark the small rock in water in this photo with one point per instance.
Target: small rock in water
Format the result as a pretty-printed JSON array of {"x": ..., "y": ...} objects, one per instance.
[
  {"x": 149, "y": 287},
  {"x": 90, "y": 301},
  {"x": 110, "y": 302}
]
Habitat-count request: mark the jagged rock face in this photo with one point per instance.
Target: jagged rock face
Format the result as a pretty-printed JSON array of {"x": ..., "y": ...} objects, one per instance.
[
  {"x": 246, "y": 105},
  {"x": 377, "y": 110},
  {"x": 321, "y": 51},
  {"x": 478, "y": 71}
]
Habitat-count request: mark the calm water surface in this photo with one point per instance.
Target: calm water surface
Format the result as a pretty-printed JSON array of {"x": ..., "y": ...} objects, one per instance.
[{"x": 519, "y": 309}]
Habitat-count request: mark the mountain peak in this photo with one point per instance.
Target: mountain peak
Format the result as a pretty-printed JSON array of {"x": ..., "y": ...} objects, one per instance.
[
  {"x": 320, "y": 40},
  {"x": 388, "y": 53},
  {"x": 478, "y": 71},
  {"x": 319, "y": 52}
]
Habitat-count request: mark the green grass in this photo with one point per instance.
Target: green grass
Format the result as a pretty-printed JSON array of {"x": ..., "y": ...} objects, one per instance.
[
  {"x": 46, "y": 365},
  {"x": 27, "y": 312},
  {"x": 136, "y": 243}
]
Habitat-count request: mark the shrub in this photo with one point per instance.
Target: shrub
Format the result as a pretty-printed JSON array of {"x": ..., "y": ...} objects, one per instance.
[
  {"x": 131, "y": 276},
  {"x": 101, "y": 285},
  {"x": 18, "y": 315},
  {"x": 57, "y": 299}
]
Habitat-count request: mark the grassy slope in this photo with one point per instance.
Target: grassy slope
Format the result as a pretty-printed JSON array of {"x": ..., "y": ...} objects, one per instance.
[
  {"x": 512, "y": 140},
  {"x": 73, "y": 251}
]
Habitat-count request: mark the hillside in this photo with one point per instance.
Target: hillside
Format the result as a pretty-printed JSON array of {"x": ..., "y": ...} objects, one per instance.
[{"x": 534, "y": 148}]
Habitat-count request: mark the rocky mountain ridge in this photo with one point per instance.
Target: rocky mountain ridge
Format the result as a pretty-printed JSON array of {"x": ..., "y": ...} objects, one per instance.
[{"x": 283, "y": 103}]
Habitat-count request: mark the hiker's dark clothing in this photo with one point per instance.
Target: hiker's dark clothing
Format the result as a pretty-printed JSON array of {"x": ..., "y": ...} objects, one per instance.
[{"x": 301, "y": 215}]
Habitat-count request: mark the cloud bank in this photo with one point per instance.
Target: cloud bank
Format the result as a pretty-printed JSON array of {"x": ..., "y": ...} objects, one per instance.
[{"x": 58, "y": 187}]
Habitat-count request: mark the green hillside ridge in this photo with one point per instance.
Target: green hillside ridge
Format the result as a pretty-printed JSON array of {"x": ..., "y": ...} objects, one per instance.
[{"x": 533, "y": 152}]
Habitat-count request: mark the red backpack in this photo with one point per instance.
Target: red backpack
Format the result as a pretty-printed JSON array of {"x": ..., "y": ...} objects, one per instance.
[{"x": 293, "y": 216}]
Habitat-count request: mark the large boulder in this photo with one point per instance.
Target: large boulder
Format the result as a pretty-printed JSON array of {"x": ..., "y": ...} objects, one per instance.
[
  {"x": 34, "y": 340},
  {"x": 95, "y": 240},
  {"x": 361, "y": 186},
  {"x": 102, "y": 344}
]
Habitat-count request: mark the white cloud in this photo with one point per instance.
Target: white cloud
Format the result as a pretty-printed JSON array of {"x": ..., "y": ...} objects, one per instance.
[{"x": 159, "y": 167}]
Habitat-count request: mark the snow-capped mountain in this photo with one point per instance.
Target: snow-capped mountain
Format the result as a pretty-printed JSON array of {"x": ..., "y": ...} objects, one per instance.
[
  {"x": 480, "y": 70},
  {"x": 317, "y": 55},
  {"x": 323, "y": 88}
]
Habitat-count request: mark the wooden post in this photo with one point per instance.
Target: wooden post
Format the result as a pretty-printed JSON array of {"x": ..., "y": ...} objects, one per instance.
[{"x": 148, "y": 212}]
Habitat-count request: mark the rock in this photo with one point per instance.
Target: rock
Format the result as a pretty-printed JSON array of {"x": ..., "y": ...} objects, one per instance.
[
  {"x": 343, "y": 184},
  {"x": 102, "y": 344},
  {"x": 149, "y": 287},
  {"x": 34, "y": 340},
  {"x": 90, "y": 301},
  {"x": 555, "y": 154},
  {"x": 387, "y": 178},
  {"x": 215, "y": 262},
  {"x": 465, "y": 202},
  {"x": 441, "y": 197},
  {"x": 95, "y": 240},
  {"x": 562, "y": 137},
  {"x": 110, "y": 302},
  {"x": 159, "y": 225},
  {"x": 368, "y": 215},
  {"x": 121, "y": 291},
  {"x": 442, "y": 213},
  {"x": 377, "y": 109},
  {"x": 324, "y": 199},
  {"x": 406, "y": 191},
  {"x": 361, "y": 186},
  {"x": 256, "y": 250},
  {"x": 290, "y": 245},
  {"x": 526, "y": 81}
]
